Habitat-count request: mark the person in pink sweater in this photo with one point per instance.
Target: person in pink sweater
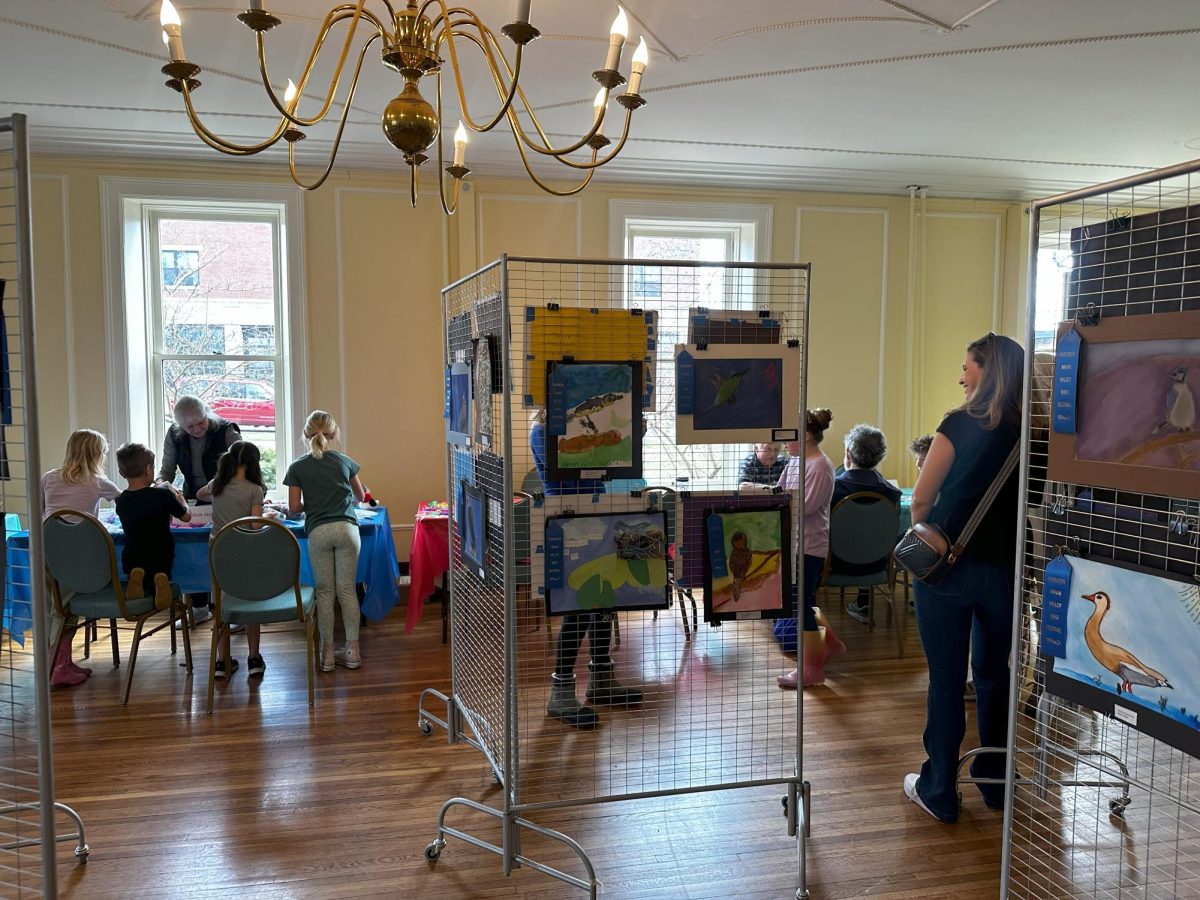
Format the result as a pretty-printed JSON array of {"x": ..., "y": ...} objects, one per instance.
[
  {"x": 76, "y": 484},
  {"x": 819, "y": 640}
]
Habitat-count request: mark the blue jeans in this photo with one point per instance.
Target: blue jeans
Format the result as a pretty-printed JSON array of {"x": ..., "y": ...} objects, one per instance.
[{"x": 974, "y": 603}]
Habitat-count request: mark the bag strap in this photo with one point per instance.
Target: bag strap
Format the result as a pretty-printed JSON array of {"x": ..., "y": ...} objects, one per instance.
[{"x": 986, "y": 503}]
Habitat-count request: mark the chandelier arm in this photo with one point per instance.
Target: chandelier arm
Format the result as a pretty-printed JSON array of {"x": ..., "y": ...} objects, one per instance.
[
  {"x": 219, "y": 143},
  {"x": 545, "y": 187},
  {"x": 337, "y": 140},
  {"x": 546, "y": 148},
  {"x": 507, "y": 95},
  {"x": 335, "y": 15},
  {"x": 595, "y": 164}
]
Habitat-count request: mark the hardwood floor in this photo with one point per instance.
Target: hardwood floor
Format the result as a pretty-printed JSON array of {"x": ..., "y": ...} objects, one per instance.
[{"x": 264, "y": 799}]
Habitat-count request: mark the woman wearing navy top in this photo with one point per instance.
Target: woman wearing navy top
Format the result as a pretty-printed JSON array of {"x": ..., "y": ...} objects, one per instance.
[{"x": 974, "y": 604}]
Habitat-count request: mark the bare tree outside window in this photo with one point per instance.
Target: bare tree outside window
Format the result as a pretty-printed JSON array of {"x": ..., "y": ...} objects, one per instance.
[{"x": 216, "y": 324}]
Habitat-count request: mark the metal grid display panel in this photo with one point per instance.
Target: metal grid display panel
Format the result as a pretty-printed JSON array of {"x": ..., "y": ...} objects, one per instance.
[
  {"x": 1131, "y": 248},
  {"x": 712, "y": 714},
  {"x": 23, "y": 763},
  {"x": 479, "y": 656}
]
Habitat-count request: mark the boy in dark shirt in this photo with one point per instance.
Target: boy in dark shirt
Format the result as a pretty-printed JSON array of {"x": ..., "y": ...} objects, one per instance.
[{"x": 145, "y": 512}]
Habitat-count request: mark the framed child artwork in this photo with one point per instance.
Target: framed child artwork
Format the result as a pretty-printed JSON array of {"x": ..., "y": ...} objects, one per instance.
[
  {"x": 458, "y": 424},
  {"x": 608, "y": 561},
  {"x": 593, "y": 420},
  {"x": 472, "y": 528},
  {"x": 737, "y": 393},
  {"x": 552, "y": 333},
  {"x": 747, "y": 564},
  {"x": 1125, "y": 416},
  {"x": 481, "y": 390},
  {"x": 1125, "y": 641}
]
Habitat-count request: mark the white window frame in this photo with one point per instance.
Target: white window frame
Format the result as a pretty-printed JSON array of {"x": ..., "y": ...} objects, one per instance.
[
  {"x": 131, "y": 276},
  {"x": 746, "y": 229}
]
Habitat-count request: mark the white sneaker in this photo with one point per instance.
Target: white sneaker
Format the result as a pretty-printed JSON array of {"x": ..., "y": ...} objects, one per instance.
[
  {"x": 199, "y": 614},
  {"x": 910, "y": 791}
]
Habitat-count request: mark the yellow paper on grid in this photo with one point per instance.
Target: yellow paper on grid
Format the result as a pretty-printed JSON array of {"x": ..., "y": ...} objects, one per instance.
[{"x": 602, "y": 335}]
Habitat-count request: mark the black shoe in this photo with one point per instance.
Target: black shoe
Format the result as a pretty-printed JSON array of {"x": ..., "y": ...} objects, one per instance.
[
  {"x": 219, "y": 671},
  {"x": 255, "y": 666}
]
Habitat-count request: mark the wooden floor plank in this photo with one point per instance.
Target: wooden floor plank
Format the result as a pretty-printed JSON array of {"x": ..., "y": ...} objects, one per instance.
[{"x": 269, "y": 800}]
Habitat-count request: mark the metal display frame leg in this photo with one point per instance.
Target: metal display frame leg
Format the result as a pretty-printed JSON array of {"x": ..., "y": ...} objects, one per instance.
[
  {"x": 510, "y": 850},
  {"x": 79, "y": 836}
]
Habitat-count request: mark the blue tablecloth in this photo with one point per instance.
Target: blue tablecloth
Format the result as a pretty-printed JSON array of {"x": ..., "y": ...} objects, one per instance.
[
  {"x": 378, "y": 570},
  {"x": 905, "y": 509}
]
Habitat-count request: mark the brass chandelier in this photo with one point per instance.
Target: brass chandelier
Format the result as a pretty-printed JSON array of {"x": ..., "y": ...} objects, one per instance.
[{"x": 411, "y": 42}]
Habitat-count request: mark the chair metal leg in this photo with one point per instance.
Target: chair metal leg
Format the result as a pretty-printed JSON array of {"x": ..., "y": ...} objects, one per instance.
[
  {"x": 133, "y": 651},
  {"x": 683, "y": 614},
  {"x": 116, "y": 648},
  {"x": 616, "y": 630},
  {"x": 311, "y": 640},
  {"x": 212, "y": 663},
  {"x": 178, "y": 612}
]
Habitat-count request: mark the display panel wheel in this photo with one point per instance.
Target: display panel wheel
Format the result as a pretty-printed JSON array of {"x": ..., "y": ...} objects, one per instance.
[
  {"x": 426, "y": 726},
  {"x": 433, "y": 850}
]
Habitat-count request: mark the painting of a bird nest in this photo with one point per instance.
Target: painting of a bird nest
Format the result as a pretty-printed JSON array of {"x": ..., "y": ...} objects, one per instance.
[
  {"x": 737, "y": 393},
  {"x": 1136, "y": 407},
  {"x": 747, "y": 571},
  {"x": 1131, "y": 649},
  {"x": 593, "y": 420},
  {"x": 606, "y": 562}
]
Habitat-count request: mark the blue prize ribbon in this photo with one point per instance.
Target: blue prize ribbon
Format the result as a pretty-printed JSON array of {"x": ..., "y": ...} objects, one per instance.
[
  {"x": 685, "y": 392},
  {"x": 556, "y": 406},
  {"x": 554, "y": 555},
  {"x": 1066, "y": 381},
  {"x": 1056, "y": 598},
  {"x": 446, "y": 401},
  {"x": 716, "y": 546}
]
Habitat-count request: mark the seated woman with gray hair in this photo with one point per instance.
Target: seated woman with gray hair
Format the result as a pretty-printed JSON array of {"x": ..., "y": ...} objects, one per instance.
[
  {"x": 865, "y": 449},
  {"x": 194, "y": 444}
]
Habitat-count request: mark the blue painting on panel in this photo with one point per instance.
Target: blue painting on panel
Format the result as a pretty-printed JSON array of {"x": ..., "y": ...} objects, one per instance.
[
  {"x": 737, "y": 393},
  {"x": 459, "y": 427},
  {"x": 1132, "y": 649}
]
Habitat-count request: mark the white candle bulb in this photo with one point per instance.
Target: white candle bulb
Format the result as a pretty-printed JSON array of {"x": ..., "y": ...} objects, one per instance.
[
  {"x": 599, "y": 103},
  {"x": 641, "y": 57},
  {"x": 616, "y": 40},
  {"x": 460, "y": 144},
  {"x": 291, "y": 96},
  {"x": 522, "y": 11},
  {"x": 168, "y": 14},
  {"x": 172, "y": 25}
]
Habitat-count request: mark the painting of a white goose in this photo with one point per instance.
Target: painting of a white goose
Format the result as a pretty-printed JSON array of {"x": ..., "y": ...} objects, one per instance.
[{"x": 1132, "y": 648}]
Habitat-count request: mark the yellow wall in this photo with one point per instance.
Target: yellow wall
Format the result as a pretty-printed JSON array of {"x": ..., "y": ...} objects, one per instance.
[{"x": 374, "y": 268}]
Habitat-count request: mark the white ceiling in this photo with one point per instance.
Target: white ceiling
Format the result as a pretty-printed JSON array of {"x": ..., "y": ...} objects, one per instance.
[{"x": 1024, "y": 98}]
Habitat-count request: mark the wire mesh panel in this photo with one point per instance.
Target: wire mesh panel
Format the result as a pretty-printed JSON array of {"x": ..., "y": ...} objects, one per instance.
[
  {"x": 26, "y": 786},
  {"x": 1107, "y": 802}
]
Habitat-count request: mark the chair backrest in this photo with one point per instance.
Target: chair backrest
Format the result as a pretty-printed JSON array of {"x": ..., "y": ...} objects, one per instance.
[
  {"x": 79, "y": 551},
  {"x": 863, "y": 529},
  {"x": 255, "y": 558}
]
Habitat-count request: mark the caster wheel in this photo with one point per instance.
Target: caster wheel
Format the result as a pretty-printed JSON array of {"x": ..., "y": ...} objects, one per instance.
[
  {"x": 433, "y": 850},
  {"x": 425, "y": 726},
  {"x": 81, "y": 853},
  {"x": 784, "y": 802},
  {"x": 1117, "y": 808}
]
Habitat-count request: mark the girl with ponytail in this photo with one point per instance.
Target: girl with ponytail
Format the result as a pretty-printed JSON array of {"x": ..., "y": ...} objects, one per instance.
[{"x": 324, "y": 485}]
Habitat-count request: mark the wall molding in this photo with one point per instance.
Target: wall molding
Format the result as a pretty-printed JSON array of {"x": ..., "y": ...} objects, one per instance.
[
  {"x": 885, "y": 213},
  {"x": 68, "y": 299}
]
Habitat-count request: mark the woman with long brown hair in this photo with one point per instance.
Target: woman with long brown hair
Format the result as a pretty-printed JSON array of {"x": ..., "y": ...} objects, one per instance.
[{"x": 973, "y": 605}]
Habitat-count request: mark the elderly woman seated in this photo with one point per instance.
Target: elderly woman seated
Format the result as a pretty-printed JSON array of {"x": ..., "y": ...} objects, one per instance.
[{"x": 865, "y": 449}]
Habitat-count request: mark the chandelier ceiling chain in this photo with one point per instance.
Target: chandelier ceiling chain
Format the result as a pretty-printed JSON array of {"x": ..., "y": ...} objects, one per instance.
[{"x": 412, "y": 40}]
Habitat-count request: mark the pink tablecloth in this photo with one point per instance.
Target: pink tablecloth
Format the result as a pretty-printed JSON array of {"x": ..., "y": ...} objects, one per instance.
[{"x": 428, "y": 558}]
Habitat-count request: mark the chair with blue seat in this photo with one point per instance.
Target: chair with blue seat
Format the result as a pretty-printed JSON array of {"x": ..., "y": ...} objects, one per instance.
[
  {"x": 862, "y": 534},
  {"x": 85, "y": 582},
  {"x": 255, "y": 565}
]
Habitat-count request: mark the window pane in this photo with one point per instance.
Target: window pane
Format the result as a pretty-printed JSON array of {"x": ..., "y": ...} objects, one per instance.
[
  {"x": 231, "y": 392},
  {"x": 222, "y": 281}
]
